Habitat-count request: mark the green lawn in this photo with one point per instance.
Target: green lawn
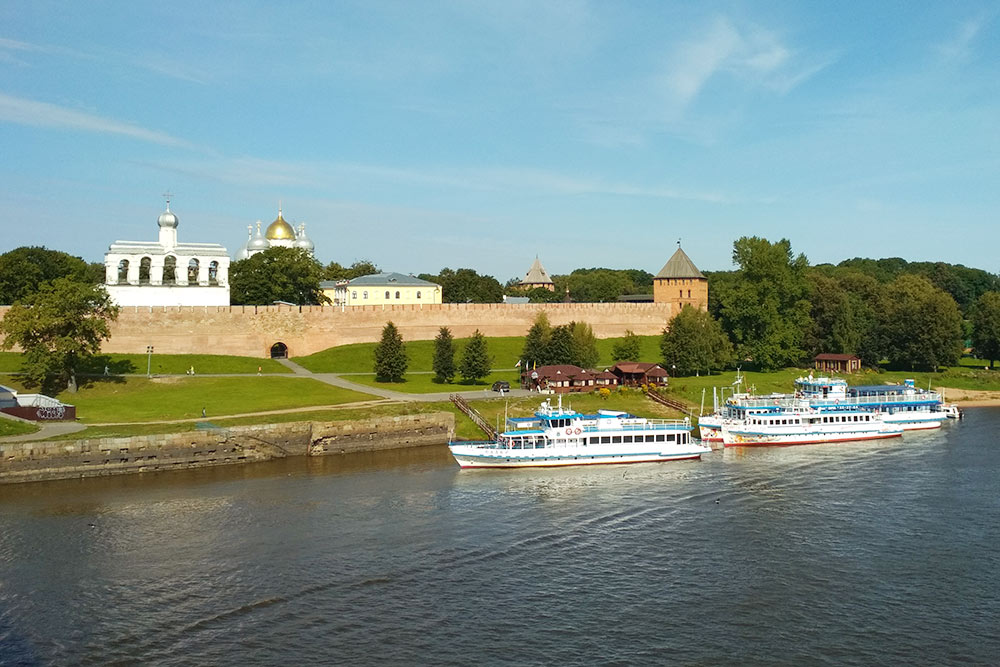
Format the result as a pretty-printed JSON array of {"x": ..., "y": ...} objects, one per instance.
[
  {"x": 359, "y": 358},
  {"x": 12, "y": 427},
  {"x": 161, "y": 364},
  {"x": 423, "y": 383},
  {"x": 141, "y": 399}
]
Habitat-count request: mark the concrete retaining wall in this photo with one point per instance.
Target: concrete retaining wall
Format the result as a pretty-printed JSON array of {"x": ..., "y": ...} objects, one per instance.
[{"x": 36, "y": 461}]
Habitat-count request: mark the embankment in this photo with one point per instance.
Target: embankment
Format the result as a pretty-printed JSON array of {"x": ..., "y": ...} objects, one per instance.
[{"x": 37, "y": 461}]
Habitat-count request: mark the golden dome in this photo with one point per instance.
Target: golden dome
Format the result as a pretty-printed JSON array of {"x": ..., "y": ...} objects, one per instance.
[{"x": 279, "y": 229}]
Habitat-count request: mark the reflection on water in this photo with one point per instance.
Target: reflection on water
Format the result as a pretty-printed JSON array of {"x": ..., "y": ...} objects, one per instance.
[{"x": 859, "y": 552}]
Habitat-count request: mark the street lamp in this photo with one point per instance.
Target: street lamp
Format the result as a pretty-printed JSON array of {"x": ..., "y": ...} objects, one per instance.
[{"x": 149, "y": 359}]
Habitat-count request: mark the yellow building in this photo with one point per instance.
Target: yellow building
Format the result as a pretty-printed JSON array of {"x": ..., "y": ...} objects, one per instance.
[{"x": 381, "y": 288}]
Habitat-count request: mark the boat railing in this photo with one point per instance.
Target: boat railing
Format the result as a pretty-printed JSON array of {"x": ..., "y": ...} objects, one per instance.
[
  {"x": 929, "y": 397},
  {"x": 645, "y": 425}
]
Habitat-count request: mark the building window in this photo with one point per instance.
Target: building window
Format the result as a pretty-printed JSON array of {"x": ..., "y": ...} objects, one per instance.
[
  {"x": 387, "y": 295},
  {"x": 397, "y": 294},
  {"x": 689, "y": 294},
  {"x": 364, "y": 295},
  {"x": 680, "y": 294},
  {"x": 418, "y": 294},
  {"x": 354, "y": 295}
]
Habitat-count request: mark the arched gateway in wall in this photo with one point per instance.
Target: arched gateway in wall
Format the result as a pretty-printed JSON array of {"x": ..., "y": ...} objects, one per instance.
[{"x": 279, "y": 351}]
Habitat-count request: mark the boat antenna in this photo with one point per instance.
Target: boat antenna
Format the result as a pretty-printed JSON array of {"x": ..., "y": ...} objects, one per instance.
[{"x": 701, "y": 410}]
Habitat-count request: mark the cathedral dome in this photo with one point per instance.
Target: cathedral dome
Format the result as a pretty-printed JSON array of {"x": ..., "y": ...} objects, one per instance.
[
  {"x": 303, "y": 241},
  {"x": 258, "y": 242},
  {"x": 279, "y": 230},
  {"x": 167, "y": 219}
]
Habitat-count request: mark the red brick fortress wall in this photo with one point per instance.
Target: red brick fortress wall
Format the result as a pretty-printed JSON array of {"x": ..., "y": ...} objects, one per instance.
[{"x": 252, "y": 330}]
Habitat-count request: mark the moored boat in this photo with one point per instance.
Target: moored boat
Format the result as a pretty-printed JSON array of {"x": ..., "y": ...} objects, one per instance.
[
  {"x": 557, "y": 436},
  {"x": 803, "y": 424}
]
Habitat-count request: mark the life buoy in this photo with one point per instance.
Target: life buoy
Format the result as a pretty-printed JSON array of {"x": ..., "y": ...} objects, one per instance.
[
  {"x": 577, "y": 431},
  {"x": 569, "y": 430}
]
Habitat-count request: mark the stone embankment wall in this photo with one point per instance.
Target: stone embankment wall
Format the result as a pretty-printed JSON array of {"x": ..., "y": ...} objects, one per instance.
[
  {"x": 252, "y": 330},
  {"x": 36, "y": 461}
]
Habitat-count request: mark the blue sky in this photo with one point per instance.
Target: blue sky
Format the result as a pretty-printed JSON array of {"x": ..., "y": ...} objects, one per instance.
[{"x": 428, "y": 134}]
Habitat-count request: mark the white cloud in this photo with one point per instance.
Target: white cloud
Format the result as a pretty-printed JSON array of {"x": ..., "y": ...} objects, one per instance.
[
  {"x": 22, "y": 111},
  {"x": 959, "y": 45},
  {"x": 694, "y": 63}
]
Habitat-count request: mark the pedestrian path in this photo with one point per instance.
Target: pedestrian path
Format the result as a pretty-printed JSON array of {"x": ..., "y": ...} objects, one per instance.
[{"x": 46, "y": 430}]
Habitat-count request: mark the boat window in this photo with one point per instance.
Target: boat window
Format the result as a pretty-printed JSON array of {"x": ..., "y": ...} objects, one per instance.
[
  {"x": 593, "y": 440},
  {"x": 671, "y": 438},
  {"x": 661, "y": 437},
  {"x": 626, "y": 438},
  {"x": 605, "y": 439},
  {"x": 616, "y": 439},
  {"x": 649, "y": 438}
]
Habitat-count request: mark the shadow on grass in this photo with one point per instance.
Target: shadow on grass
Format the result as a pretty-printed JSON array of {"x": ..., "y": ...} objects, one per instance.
[{"x": 103, "y": 368}]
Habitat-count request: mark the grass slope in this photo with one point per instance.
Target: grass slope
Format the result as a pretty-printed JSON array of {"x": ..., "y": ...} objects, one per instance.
[
  {"x": 161, "y": 364},
  {"x": 360, "y": 357},
  {"x": 423, "y": 383},
  {"x": 141, "y": 399},
  {"x": 12, "y": 427}
]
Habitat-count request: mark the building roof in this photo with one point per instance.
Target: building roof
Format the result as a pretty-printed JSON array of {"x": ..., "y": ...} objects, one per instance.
[
  {"x": 829, "y": 356},
  {"x": 680, "y": 266},
  {"x": 388, "y": 279},
  {"x": 634, "y": 367},
  {"x": 536, "y": 275},
  {"x": 154, "y": 248}
]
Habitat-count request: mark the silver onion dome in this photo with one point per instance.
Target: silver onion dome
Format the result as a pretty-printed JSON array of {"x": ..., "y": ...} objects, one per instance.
[
  {"x": 303, "y": 241},
  {"x": 258, "y": 242},
  {"x": 167, "y": 218}
]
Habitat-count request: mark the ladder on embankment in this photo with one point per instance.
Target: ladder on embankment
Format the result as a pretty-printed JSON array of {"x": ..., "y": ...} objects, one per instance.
[
  {"x": 669, "y": 402},
  {"x": 474, "y": 415}
]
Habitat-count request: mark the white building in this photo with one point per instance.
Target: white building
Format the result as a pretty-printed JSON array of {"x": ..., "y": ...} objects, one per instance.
[
  {"x": 279, "y": 234},
  {"x": 165, "y": 272}
]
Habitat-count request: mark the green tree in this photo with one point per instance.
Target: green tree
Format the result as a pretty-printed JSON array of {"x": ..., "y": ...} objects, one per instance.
[
  {"x": 363, "y": 267},
  {"x": 24, "y": 269},
  {"x": 920, "y": 325},
  {"x": 58, "y": 328},
  {"x": 444, "y": 356},
  {"x": 833, "y": 326},
  {"x": 765, "y": 309},
  {"x": 695, "y": 341},
  {"x": 277, "y": 274},
  {"x": 559, "y": 349},
  {"x": 476, "y": 361},
  {"x": 466, "y": 286},
  {"x": 536, "y": 341},
  {"x": 585, "y": 354},
  {"x": 986, "y": 327},
  {"x": 627, "y": 349},
  {"x": 390, "y": 355}
]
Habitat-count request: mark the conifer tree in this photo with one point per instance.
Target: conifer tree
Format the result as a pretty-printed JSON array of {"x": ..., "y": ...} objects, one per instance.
[
  {"x": 444, "y": 356},
  {"x": 476, "y": 360},
  {"x": 585, "y": 354},
  {"x": 559, "y": 349},
  {"x": 533, "y": 353},
  {"x": 390, "y": 355}
]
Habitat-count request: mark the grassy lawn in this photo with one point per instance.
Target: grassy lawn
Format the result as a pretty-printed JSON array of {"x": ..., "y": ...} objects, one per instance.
[
  {"x": 359, "y": 358},
  {"x": 11, "y": 427},
  {"x": 140, "y": 399},
  {"x": 423, "y": 383},
  {"x": 161, "y": 364}
]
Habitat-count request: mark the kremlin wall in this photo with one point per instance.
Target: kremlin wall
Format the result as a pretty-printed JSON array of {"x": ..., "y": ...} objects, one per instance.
[{"x": 253, "y": 330}]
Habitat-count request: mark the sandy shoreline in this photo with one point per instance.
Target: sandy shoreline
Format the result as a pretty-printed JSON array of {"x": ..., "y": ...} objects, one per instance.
[{"x": 970, "y": 398}]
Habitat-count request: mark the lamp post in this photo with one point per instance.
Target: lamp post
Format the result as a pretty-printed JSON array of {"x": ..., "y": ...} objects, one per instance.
[{"x": 149, "y": 359}]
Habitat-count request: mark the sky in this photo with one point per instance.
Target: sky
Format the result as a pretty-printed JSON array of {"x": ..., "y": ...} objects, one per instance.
[{"x": 420, "y": 135}]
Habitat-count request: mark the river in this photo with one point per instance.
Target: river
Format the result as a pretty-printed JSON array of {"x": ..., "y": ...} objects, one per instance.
[{"x": 862, "y": 553}]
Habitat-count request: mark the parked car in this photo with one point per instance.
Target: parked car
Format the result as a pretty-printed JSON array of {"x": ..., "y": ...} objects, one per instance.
[{"x": 501, "y": 385}]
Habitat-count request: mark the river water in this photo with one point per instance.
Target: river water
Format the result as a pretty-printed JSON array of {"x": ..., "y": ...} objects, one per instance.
[{"x": 863, "y": 553}]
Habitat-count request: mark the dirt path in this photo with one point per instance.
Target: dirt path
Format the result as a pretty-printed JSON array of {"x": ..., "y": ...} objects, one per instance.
[{"x": 970, "y": 397}]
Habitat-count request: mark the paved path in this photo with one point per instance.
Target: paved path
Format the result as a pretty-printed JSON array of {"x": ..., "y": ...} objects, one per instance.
[{"x": 46, "y": 430}]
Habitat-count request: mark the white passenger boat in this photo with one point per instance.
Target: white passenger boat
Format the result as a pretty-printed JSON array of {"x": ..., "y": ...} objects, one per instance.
[
  {"x": 561, "y": 437},
  {"x": 803, "y": 424}
]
